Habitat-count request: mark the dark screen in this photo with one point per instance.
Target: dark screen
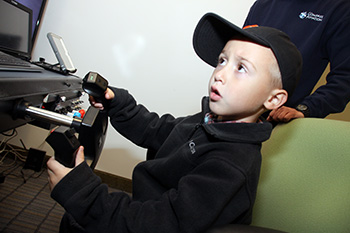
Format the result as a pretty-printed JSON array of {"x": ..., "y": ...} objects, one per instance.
[
  {"x": 38, "y": 7},
  {"x": 14, "y": 28}
]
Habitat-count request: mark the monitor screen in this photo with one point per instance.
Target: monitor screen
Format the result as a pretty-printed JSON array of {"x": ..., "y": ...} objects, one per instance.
[
  {"x": 38, "y": 7},
  {"x": 15, "y": 28}
]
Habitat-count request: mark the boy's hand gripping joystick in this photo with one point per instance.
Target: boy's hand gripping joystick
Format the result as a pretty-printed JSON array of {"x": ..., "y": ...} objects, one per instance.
[{"x": 96, "y": 86}]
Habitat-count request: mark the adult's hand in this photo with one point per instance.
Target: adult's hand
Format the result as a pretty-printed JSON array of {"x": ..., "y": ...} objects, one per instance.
[{"x": 284, "y": 114}]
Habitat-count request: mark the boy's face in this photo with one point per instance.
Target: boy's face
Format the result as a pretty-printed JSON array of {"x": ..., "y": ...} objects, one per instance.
[{"x": 242, "y": 81}]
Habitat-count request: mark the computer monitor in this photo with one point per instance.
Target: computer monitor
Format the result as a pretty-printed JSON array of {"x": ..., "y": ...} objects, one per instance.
[
  {"x": 38, "y": 8},
  {"x": 15, "y": 28}
]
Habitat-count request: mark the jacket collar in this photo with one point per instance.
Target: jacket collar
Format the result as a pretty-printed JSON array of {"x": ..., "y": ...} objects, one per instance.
[{"x": 237, "y": 132}]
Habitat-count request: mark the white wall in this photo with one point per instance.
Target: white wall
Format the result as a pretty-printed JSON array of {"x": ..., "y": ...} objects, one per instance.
[{"x": 143, "y": 46}]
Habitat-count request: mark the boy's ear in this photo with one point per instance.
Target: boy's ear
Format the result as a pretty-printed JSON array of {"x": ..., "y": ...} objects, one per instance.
[{"x": 277, "y": 98}]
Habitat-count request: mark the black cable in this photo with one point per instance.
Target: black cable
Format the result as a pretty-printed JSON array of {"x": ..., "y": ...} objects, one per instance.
[{"x": 9, "y": 135}]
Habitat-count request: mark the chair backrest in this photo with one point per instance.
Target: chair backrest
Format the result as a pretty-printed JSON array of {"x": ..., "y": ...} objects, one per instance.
[{"x": 305, "y": 177}]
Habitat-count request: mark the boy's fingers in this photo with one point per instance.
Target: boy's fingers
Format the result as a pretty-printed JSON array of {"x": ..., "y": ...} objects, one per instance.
[
  {"x": 109, "y": 94},
  {"x": 80, "y": 156},
  {"x": 53, "y": 164}
]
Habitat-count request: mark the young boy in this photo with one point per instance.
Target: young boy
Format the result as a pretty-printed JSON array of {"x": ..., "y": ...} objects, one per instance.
[{"x": 202, "y": 170}]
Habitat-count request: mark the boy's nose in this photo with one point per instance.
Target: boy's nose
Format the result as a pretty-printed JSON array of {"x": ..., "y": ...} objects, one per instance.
[{"x": 219, "y": 76}]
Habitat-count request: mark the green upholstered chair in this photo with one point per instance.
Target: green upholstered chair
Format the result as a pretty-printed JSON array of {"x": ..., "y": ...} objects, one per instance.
[
  {"x": 305, "y": 177},
  {"x": 305, "y": 180}
]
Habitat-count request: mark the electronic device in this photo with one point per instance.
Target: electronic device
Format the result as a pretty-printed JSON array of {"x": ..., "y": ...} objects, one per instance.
[
  {"x": 35, "y": 159},
  {"x": 16, "y": 37},
  {"x": 91, "y": 129},
  {"x": 61, "y": 53},
  {"x": 65, "y": 144},
  {"x": 95, "y": 85},
  {"x": 38, "y": 8}
]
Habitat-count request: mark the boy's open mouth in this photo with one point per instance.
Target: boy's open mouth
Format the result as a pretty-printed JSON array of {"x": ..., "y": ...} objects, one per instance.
[{"x": 214, "y": 94}]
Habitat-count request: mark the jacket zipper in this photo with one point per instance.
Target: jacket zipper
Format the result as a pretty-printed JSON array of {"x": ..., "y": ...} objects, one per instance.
[{"x": 194, "y": 130}]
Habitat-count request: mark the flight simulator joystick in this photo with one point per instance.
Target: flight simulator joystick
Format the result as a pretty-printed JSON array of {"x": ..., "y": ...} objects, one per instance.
[{"x": 91, "y": 129}]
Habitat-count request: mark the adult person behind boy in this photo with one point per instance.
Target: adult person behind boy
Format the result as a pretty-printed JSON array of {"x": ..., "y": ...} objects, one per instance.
[
  {"x": 203, "y": 169},
  {"x": 321, "y": 31}
]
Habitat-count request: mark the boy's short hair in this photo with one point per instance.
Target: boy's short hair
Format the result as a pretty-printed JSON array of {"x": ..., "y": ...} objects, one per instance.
[{"x": 213, "y": 32}]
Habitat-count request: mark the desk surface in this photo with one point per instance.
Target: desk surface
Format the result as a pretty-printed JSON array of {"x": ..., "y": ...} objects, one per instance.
[{"x": 32, "y": 87}]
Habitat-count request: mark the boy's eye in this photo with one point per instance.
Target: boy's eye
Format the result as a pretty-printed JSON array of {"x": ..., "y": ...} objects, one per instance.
[
  {"x": 241, "y": 69},
  {"x": 222, "y": 61}
]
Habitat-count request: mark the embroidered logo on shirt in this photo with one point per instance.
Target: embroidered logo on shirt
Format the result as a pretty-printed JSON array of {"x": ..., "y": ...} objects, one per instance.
[
  {"x": 312, "y": 16},
  {"x": 192, "y": 146}
]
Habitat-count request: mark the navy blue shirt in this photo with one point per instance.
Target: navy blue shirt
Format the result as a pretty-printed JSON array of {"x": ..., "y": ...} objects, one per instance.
[{"x": 321, "y": 31}]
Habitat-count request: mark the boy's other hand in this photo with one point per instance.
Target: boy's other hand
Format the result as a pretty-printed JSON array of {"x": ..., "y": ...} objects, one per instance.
[
  {"x": 109, "y": 95},
  {"x": 57, "y": 171},
  {"x": 284, "y": 114}
]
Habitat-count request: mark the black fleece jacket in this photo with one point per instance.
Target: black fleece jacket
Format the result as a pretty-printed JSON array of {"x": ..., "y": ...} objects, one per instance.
[{"x": 197, "y": 175}]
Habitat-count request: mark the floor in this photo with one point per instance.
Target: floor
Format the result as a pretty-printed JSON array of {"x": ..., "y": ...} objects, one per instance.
[{"x": 25, "y": 203}]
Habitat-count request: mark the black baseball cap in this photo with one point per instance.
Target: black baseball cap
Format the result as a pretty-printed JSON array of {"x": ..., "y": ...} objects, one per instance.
[{"x": 213, "y": 32}]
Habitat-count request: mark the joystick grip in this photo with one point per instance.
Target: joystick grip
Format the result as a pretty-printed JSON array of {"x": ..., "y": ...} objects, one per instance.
[
  {"x": 65, "y": 144},
  {"x": 96, "y": 86}
]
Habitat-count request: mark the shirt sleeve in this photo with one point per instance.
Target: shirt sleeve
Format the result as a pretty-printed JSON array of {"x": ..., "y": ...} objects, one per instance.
[
  {"x": 136, "y": 123},
  {"x": 201, "y": 197},
  {"x": 335, "y": 94}
]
